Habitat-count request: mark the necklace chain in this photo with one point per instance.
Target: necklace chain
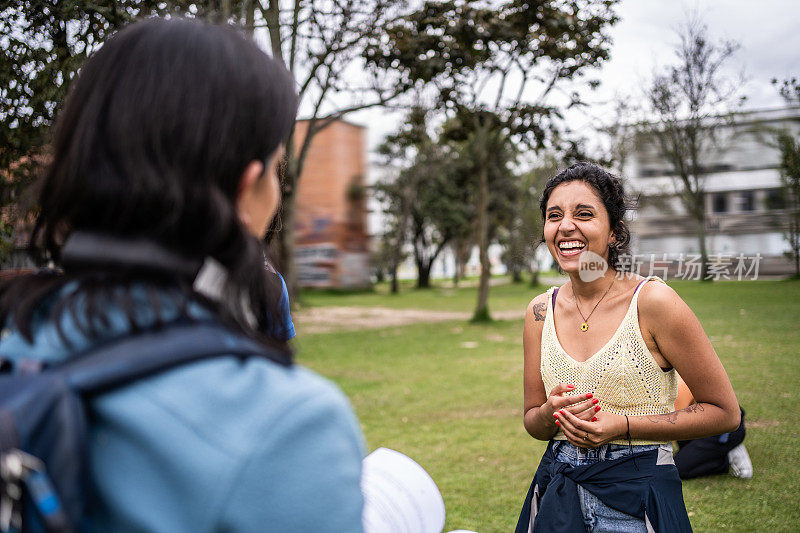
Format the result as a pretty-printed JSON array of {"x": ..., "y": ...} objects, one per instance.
[{"x": 585, "y": 324}]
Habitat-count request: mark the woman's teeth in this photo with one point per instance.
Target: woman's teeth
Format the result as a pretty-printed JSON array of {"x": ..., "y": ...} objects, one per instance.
[{"x": 571, "y": 247}]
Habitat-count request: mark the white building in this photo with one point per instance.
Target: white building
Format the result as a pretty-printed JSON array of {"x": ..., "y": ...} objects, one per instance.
[{"x": 742, "y": 184}]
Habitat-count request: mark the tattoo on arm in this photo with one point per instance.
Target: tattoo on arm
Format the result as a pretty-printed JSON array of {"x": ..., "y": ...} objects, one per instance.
[
  {"x": 672, "y": 417},
  {"x": 539, "y": 311}
]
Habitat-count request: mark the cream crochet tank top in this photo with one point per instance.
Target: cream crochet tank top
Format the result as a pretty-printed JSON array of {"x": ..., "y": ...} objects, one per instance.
[{"x": 623, "y": 374}]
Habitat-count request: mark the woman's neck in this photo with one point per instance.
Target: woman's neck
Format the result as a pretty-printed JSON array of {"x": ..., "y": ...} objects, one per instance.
[{"x": 589, "y": 290}]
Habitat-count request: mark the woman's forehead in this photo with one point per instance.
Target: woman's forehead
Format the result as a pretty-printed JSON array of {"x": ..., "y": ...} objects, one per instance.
[{"x": 572, "y": 193}]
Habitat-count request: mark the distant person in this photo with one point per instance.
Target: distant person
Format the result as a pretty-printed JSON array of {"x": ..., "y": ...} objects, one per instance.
[
  {"x": 285, "y": 328},
  {"x": 718, "y": 454},
  {"x": 161, "y": 186},
  {"x": 602, "y": 354}
]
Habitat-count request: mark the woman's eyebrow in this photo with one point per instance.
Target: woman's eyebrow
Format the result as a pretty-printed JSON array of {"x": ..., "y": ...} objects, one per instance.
[
  {"x": 555, "y": 207},
  {"x": 584, "y": 206}
]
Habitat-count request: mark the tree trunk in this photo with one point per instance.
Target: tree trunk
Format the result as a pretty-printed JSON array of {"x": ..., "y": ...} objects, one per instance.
[
  {"x": 424, "y": 275},
  {"x": 249, "y": 8},
  {"x": 394, "y": 289},
  {"x": 794, "y": 240},
  {"x": 286, "y": 245},
  {"x": 534, "y": 277},
  {"x": 482, "y": 308},
  {"x": 701, "y": 237},
  {"x": 454, "y": 247},
  {"x": 516, "y": 274},
  {"x": 797, "y": 263}
]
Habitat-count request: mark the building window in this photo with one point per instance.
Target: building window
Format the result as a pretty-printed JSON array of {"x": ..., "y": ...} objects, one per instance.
[
  {"x": 747, "y": 201},
  {"x": 775, "y": 199},
  {"x": 719, "y": 202}
]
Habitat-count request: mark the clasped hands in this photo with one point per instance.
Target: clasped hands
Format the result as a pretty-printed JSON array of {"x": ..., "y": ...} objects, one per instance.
[{"x": 584, "y": 423}]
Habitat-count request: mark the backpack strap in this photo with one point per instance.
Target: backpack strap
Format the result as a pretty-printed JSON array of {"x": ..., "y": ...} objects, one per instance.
[{"x": 133, "y": 357}]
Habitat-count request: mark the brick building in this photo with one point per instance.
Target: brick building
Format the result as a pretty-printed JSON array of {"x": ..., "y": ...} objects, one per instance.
[{"x": 332, "y": 245}]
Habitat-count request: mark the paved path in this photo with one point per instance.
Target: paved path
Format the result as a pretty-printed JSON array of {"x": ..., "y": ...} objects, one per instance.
[{"x": 329, "y": 319}]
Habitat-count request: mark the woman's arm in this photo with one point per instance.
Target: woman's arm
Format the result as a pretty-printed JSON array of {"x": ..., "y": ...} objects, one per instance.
[
  {"x": 538, "y": 406},
  {"x": 684, "y": 398},
  {"x": 683, "y": 343}
]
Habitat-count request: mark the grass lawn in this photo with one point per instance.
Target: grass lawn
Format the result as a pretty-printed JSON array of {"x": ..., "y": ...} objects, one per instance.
[
  {"x": 449, "y": 395},
  {"x": 443, "y": 297}
]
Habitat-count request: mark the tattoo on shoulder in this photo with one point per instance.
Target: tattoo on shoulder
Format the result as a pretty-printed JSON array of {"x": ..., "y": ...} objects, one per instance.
[
  {"x": 672, "y": 417},
  {"x": 539, "y": 310}
]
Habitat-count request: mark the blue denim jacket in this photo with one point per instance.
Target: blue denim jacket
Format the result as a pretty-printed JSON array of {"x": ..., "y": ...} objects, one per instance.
[
  {"x": 217, "y": 445},
  {"x": 638, "y": 484}
]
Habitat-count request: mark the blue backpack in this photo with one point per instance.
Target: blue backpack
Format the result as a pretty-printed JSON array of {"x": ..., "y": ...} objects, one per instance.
[{"x": 43, "y": 422}]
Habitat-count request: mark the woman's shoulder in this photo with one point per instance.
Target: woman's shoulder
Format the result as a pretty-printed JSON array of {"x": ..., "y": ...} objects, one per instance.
[
  {"x": 539, "y": 303},
  {"x": 657, "y": 298},
  {"x": 234, "y": 404},
  {"x": 537, "y": 307}
]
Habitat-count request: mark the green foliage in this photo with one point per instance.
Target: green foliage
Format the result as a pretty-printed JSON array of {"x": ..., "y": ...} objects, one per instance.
[
  {"x": 484, "y": 61},
  {"x": 43, "y": 46},
  {"x": 789, "y": 89},
  {"x": 524, "y": 227},
  {"x": 428, "y": 200},
  {"x": 524, "y": 47}
]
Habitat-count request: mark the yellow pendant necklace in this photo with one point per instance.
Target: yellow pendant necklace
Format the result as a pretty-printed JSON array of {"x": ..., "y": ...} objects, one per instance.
[{"x": 585, "y": 324}]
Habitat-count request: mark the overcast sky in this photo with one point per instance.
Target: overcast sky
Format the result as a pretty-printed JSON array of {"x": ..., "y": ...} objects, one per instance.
[{"x": 645, "y": 37}]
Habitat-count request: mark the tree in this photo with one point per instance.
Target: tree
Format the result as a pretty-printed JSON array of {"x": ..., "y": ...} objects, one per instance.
[
  {"x": 789, "y": 146},
  {"x": 517, "y": 238},
  {"x": 430, "y": 193},
  {"x": 43, "y": 46},
  {"x": 620, "y": 132},
  {"x": 495, "y": 65},
  {"x": 691, "y": 102},
  {"x": 396, "y": 201},
  {"x": 321, "y": 42},
  {"x": 525, "y": 232}
]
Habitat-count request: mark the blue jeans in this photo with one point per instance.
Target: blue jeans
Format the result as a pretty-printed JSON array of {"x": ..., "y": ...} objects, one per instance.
[{"x": 597, "y": 516}]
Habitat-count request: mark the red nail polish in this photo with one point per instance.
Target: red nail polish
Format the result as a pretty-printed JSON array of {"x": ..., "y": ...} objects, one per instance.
[
  {"x": 562, "y": 412},
  {"x": 597, "y": 408},
  {"x": 594, "y": 419},
  {"x": 588, "y": 395},
  {"x": 557, "y": 423},
  {"x": 555, "y": 415},
  {"x": 570, "y": 386},
  {"x": 595, "y": 401}
]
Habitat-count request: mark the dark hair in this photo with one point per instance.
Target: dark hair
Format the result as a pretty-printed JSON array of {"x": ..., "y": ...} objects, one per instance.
[
  {"x": 151, "y": 143},
  {"x": 609, "y": 189}
]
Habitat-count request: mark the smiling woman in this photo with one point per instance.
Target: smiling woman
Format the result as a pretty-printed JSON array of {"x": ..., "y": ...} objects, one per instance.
[{"x": 601, "y": 354}]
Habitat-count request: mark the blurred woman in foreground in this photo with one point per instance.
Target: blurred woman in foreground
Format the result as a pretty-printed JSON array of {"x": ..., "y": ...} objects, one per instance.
[{"x": 162, "y": 183}]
